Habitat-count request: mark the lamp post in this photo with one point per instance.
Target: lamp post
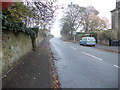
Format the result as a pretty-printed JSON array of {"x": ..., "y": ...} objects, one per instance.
[{"x": 74, "y": 33}]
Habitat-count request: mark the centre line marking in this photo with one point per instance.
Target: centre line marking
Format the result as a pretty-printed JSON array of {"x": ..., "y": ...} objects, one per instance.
[
  {"x": 92, "y": 56},
  {"x": 116, "y": 66},
  {"x": 73, "y": 48}
]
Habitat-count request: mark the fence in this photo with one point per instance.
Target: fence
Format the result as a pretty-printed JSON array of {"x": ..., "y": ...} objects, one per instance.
[{"x": 114, "y": 42}]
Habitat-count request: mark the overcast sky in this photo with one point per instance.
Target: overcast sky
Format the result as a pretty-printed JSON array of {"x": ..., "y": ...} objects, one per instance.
[{"x": 103, "y": 6}]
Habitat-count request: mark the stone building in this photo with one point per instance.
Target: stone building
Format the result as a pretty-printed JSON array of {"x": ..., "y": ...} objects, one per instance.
[{"x": 116, "y": 19}]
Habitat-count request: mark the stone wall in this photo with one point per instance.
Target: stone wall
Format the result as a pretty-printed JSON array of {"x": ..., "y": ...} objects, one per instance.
[
  {"x": 102, "y": 38},
  {"x": 40, "y": 37},
  {"x": 116, "y": 19},
  {"x": 14, "y": 47},
  {"x": 119, "y": 23},
  {"x": 104, "y": 42}
]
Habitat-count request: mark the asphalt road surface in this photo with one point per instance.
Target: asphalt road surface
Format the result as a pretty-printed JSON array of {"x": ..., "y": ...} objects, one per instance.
[{"x": 84, "y": 66}]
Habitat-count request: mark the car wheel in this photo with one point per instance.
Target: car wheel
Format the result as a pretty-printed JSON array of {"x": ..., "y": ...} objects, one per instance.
[{"x": 85, "y": 44}]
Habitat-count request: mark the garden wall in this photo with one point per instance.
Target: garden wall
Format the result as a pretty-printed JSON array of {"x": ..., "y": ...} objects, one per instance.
[
  {"x": 14, "y": 47},
  {"x": 103, "y": 41}
]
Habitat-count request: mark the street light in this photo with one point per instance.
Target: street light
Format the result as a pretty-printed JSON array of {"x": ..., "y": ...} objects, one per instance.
[{"x": 74, "y": 33}]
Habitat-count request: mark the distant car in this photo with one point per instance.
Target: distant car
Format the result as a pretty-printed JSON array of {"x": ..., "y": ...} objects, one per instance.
[{"x": 88, "y": 41}]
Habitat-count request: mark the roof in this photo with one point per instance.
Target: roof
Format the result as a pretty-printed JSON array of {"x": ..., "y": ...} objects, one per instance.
[{"x": 115, "y": 9}]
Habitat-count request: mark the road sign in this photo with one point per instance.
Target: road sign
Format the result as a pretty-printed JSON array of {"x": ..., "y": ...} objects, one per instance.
[{"x": 74, "y": 32}]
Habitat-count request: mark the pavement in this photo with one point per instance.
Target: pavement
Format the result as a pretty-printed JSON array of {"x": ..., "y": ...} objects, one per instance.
[
  {"x": 115, "y": 49},
  {"x": 33, "y": 70}
]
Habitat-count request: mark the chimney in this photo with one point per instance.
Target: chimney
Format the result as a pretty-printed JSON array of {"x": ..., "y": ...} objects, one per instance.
[{"x": 117, "y": 3}]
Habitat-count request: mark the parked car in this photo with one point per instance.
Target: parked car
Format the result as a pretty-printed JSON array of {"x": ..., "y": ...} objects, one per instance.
[{"x": 88, "y": 41}]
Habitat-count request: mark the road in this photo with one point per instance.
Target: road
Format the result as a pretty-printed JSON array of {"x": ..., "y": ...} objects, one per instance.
[{"x": 83, "y": 66}]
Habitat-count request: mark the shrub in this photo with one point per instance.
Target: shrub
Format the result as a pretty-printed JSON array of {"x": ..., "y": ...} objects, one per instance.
[{"x": 100, "y": 35}]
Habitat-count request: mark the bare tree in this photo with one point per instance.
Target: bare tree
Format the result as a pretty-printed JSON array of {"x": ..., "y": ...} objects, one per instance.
[
  {"x": 85, "y": 18},
  {"x": 72, "y": 18},
  {"x": 42, "y": 12}
]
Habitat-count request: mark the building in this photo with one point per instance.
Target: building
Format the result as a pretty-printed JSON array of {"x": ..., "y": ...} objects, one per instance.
[{"x": 116, "y": 19}]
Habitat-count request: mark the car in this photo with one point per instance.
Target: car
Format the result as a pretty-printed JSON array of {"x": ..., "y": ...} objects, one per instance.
[{"x": 88, "y": 41}]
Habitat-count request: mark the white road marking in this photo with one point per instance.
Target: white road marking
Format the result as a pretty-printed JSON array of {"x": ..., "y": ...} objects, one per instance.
[
  {"x": 116, "y": 66},
  {"x": 92, "y": 56},
  {"x": 73, "y": 48}
]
